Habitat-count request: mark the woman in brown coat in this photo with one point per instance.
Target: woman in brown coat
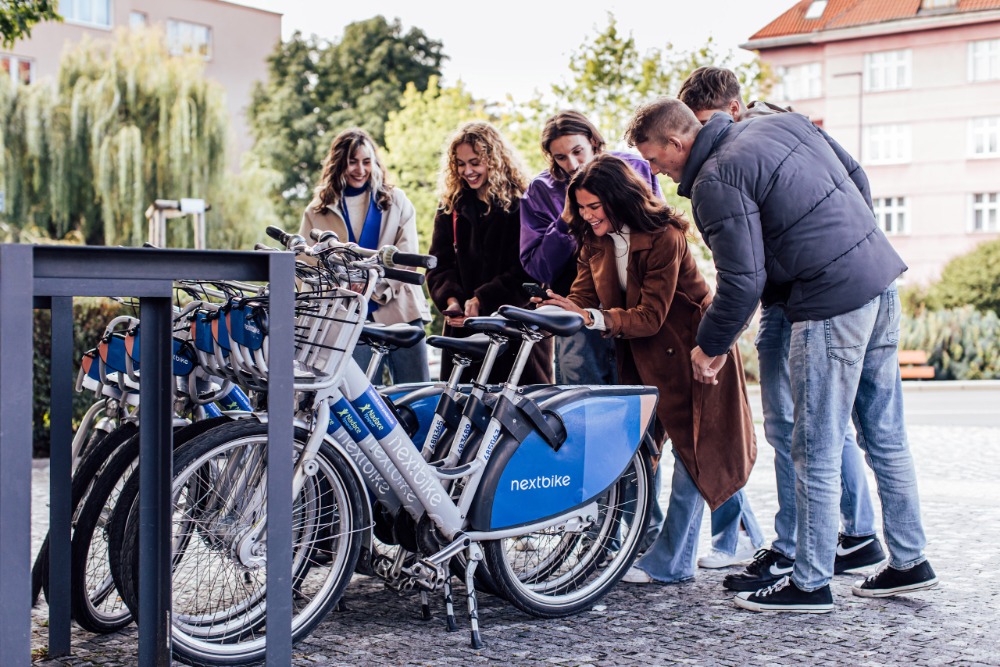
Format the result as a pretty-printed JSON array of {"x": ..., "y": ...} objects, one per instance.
[
  {"x": 638, "y": 283},
  {"x": 476, "y": 240}
]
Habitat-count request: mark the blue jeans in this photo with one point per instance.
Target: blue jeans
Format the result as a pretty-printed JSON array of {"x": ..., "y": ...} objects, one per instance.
[
  {"x": 856, "y": 510},
  {"x": 847, "y": 366},
  {"x": 673, "y": 556},
  {"x": 408, "y": 364},
  {"x": 586, "y": 357},
  {"x": 727, "y": 520}
]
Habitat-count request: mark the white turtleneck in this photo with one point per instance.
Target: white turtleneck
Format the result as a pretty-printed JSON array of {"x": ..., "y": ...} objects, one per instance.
[{"x": 621, "y": 243}]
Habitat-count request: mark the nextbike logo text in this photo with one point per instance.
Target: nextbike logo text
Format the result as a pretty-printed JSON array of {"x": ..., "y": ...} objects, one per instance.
[{"x": 550, "y": 482}]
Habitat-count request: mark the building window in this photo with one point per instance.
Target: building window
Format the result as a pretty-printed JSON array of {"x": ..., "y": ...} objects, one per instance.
[
  {"x": 887, "y": 144},
  {"x": 887, "y": 70},
  {"x": 137, "y": 19},
  {"x": 89, "y": 12},
  {"x": 890, "y": 214},
  {"x": 937, "y": 4},
  {"x": 984, "y": 60},
  {"x": 985, "y": 212},
  {"x": 189, "y": 38},
  {"x": 984, "y": 136},
  {"x": 20, "y": 70},
  {"x": 800, "y": 82}
]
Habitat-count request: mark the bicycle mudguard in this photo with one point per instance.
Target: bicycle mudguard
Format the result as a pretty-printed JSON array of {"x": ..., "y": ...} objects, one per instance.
[{"x": 530, "y": 481}]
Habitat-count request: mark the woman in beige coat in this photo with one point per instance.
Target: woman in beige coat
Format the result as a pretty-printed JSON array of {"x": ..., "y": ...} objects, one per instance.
[{"x": 354, "y": 201}]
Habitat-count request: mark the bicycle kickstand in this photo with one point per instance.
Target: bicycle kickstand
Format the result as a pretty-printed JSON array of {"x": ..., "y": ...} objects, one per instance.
[
  {"x": 449, "y": 606},
  {"x": 475, "y": 555}
]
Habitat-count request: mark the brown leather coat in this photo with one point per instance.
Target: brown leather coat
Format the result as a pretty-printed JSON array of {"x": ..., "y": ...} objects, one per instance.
[{"x": 654, "y": 324}]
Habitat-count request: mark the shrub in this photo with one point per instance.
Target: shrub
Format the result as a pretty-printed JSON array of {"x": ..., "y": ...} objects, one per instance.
[
  {"x": 961, "y": 343},
  {"x": 972, "y": 279}
]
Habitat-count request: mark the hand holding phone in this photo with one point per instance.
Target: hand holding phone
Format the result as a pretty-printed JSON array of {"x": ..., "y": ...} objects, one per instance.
[
  {"x": 453, "y": 312},
  {"x": 535, "y": 290}
]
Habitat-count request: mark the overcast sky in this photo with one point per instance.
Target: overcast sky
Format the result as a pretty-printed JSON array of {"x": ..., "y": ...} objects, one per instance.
[{"x": 518, "y": 46}]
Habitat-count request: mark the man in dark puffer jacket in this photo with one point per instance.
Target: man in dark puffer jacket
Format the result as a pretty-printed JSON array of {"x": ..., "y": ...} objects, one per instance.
[{"x": 787, "y": 214}]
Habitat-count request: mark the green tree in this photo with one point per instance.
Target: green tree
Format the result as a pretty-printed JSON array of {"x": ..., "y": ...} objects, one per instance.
[
  {"x": 317, "y": 88},
  {"x": 17, "y": 17},
  {"x": 415, "y": 140},
  {"x": 123, "y": 126}
]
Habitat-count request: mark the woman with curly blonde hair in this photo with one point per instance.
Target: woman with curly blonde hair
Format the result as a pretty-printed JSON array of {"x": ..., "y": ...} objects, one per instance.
[{"x": 477, "y": 234}]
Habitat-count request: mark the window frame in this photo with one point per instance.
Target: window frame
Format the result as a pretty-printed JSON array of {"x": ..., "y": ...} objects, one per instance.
[
  {"x": 896, "y": 209},
  {"x": 985, "y": 207},
  {"x": 63, "y": 9},
  {"x": 991, "y": 57},
  {"x": 181, "y": 23},
  {"x": 14, "y": 68},
  {"x": 877, "y": 63},
  {"x": 901, "y": 134},
  {"x": 803, "y": 80},
  {"x": 990, "y": 135}
]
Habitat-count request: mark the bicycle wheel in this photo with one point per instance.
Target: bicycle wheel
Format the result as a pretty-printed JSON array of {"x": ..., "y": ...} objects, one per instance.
[
  {"x": 98, "y": 604},
  {"x": 219, "y": 575},
  {"x": 99, "y": 450},
  {"x": 566, "y": 572},
  {"x": 128, "y": 502}
]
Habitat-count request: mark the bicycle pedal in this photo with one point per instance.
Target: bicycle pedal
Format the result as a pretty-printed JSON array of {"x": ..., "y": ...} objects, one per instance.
[{"x": 427, "y": 575}]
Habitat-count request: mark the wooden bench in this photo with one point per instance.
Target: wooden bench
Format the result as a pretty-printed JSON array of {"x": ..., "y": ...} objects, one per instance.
[{"x": 913, "y": 365}]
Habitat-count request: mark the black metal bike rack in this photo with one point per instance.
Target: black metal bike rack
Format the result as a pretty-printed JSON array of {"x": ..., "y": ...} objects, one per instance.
[{"x": 49, "y": 277}]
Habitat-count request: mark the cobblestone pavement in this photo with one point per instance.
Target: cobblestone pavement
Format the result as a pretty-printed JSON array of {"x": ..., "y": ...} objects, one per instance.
[{"x": 695, "y": 623}]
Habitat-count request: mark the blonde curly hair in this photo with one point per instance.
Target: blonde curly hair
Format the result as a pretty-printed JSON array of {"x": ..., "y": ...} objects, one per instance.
[{"x": 506, "y": 179}]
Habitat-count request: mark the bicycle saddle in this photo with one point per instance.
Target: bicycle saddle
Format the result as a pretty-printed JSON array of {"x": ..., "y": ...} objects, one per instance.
[
  {"x": 474, "y": 347},
  {"x": 553, "y": 319},
  {"x": 393, "y": 335},
  {"x": 494, "y": 325}
]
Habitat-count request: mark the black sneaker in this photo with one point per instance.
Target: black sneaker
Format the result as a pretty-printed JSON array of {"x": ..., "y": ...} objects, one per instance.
[
  {"x": 768, "y": 566},
  {"x": 857, "y": 552},
  {"x": 889, "y": 581},
  {"x": 786, "y": 596}
]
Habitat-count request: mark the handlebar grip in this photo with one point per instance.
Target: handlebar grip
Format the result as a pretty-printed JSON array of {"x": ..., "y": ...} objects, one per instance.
[
  {"x": 320, "y": 236},
  {"x": 276, "y": 233},
  {"x": 413, "y": 259},
  {"x": 403, "y": 276},
  {"x": 266, "y": 248}
]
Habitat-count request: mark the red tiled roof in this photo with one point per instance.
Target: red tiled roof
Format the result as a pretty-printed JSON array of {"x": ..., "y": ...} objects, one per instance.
[{"x": 854, "y": 13}]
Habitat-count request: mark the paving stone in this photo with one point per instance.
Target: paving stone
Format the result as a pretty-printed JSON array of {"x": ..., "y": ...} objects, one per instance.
[{"x": 693, "y": 623}]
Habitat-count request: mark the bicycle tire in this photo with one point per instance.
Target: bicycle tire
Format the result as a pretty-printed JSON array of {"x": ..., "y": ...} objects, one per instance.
[
  {"x": 127, "y": 501},
  {"x": 209, "y": 632},
  {"x": 566, "y": 573},
  {"x": 100, "y": 447},
  {"x": 97, "y": 601}
]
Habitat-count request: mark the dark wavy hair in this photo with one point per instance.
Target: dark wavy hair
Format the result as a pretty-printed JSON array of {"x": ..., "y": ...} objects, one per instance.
[
  {"x": 564, "y": 124},
  {"x": 333, "y": 181},
  {"x": 627, "y": 199}
]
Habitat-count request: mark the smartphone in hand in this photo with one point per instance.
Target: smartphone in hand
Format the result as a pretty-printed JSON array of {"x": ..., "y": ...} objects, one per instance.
[
  {"x": 535, "y": 290},
  {"x": 453, "y": 312}
]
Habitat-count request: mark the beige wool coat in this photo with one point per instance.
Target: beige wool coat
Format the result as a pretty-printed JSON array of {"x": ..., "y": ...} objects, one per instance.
[{"x": 398, "y": 302}]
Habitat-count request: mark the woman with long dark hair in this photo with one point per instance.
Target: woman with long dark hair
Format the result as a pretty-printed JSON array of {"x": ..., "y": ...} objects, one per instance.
[
  {"x": 638, "y": 284},
  {"x": 354, "y": 201}
]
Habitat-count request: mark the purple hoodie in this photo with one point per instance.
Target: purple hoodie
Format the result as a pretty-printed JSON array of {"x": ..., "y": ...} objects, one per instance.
[{"x": 547, "y": 247}]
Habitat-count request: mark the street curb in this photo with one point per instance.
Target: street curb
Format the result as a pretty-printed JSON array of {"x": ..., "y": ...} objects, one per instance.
[{"x": 927, "y": 385}]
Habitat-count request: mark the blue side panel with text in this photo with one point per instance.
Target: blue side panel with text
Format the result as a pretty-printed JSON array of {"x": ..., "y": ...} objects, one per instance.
[{"x": 530, "y": 482}]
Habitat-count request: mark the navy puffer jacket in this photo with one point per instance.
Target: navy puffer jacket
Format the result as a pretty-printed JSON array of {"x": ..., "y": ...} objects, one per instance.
[{"x": 787, "y": 214}]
